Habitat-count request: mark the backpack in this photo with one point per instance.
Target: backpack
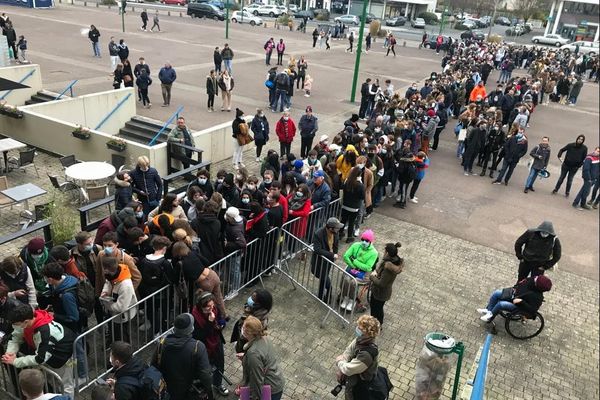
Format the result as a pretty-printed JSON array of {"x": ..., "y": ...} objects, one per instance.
[
  {"x": 380, "y": 386},
  {"x": 282, "y": 79},
  {"x": 86, "y": 297},
  {"x": 152, "y": 274},
  {"x": 150, "y": 384}
]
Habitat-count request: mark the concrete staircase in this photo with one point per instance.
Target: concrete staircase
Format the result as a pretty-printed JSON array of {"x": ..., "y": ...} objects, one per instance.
[
  {"x": 142, "y": 130},
  {"x": 40, "y": 97}
]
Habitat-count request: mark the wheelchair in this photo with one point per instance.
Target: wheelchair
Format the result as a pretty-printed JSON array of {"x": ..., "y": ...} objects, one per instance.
[{"x": 519, "y": 325}]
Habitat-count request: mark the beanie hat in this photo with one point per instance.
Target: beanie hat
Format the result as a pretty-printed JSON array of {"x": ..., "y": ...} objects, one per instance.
[
  {"x": 234, "y": 214},
  {"x": 324, "y": 138},
  {"x": 543, "y": 283},
  {"x": 430, "y": 113},
  {"x": 228, "y": 179},
  {"x": 354, "y": 118},
  {"x": 298, "y": 164},
  {"x": 238, "y": 113},
  {"x": 36, "y": 245},
  {"x": 183, "y": 325},
  {"x": 368, "y": 235}
]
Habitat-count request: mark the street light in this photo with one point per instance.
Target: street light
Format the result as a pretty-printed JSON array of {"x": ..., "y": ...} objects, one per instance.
[
  {"x": 123, "y": 6},
  {"x": 358, "y": 50},
  {"x": 227, "y": 20}
]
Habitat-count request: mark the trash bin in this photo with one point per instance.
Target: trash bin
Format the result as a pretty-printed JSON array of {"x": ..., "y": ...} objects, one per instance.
[{"x": 435, "y": 360}]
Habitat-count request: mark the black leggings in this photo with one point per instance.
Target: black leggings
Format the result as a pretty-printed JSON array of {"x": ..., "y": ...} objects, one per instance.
[
  {"x": 284, "y": 148},
  {"x": 350, "y": 218},
  {"x": 300, "y": 77},
  {"x": 211, "y": 101},
  {"x": 414, "y": 187},
  {"x": 258, "y": 149},
  {"x": 391, "y": 48},
  {"x": 144, "y": 94},
  {"x": 376, "y": 308}
]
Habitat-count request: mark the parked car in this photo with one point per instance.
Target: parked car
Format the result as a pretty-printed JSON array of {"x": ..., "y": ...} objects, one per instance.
[
  {"x": 347, "y": 19},
  {"x": 418, "y": 23},
  {"x": 270, "y": 10},
  {"x": 293, "y": 8},
  {"x": 584, "y": 47},
  {"x": 174, "y": 2},
  {"x": 481, "y": 23},
  {"x": 370, "y": 17},
  {"x": 396, "y": 21},
  {"x": 304, "y": 13},
  {"x": 432, "y": 41},
  {"x": 253, "y": 8},
  {"x": 205, "y": 10},
  {"x": 502, "y": 21},
  {"x": 244, "y": 17},
  {"x": 555, "y": 40},
  {"x": 321, "y": 13},
  {"x": 470, "y": 34},
  {"x": 283, "y": 9}
]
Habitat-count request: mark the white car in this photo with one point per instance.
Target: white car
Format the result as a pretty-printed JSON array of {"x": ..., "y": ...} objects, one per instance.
[
  {"x": 244, "y": 17},
  {"x": 270, "y": 10},
  {"x": 584, "y": 47},
  {"x": 253, "y": 8},
  {"x": 293, "y": 8},
  {"x": 418, "y": 23},
  {"x": 555, "y": 40}
]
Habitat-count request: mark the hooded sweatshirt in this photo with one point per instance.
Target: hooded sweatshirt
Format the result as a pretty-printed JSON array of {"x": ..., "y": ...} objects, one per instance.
[
  {"x": 123, "y": 193},
  {"x": 357, "y": 257},
  {"x": 575, "y": 154},
  {"x": 64, "y": 302},
  {"x": 384, "y": 279},
  {"x": 535, "y": 249},
  {"x": 127, "y": 380},
  {"x": 120, "y": 295}
]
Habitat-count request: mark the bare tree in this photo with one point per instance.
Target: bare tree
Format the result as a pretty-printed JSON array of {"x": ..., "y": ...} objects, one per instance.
[{"x": 526, "y": 8}]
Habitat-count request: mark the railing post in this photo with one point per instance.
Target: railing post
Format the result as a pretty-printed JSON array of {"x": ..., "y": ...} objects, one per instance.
[
  {"x": 69, "y": 87},
  {"x": 481, "y": 374}
]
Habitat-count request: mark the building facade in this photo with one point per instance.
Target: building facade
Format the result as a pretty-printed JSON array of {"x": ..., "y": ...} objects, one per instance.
[
  {"x": 392, "y": 8},
  {"x": 574, "y": 19}
]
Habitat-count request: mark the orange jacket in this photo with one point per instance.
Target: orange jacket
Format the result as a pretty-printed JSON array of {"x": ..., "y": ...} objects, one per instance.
[{"x": 477, "y": 91}]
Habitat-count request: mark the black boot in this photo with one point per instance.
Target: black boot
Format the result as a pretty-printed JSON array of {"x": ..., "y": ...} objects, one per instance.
[{"x": 482, "y": 172}]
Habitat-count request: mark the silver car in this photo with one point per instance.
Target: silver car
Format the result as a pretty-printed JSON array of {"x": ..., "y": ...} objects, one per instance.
[
  {"x": 584, "y": 47},
  {"x": 348, "y": 19},
  {"x": 555, "y": 40}
]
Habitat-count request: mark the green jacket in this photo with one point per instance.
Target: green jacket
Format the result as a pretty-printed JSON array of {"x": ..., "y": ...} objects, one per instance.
[
  {"x": 360, "y": 258},
  {"x": 176, "y": 135},
  {"x": 260, "y": 367}
]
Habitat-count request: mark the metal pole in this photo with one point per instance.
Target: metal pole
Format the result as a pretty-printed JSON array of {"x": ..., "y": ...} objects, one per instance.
[
  {"x": 493, "y": 18},
  {"x": 358, "y": 50},
  {"x": 227, "y": 20},
  {"x": 123, "y": 6},
  {"x": 443, "y": 19},
  {"x": 459, "y": 349}
]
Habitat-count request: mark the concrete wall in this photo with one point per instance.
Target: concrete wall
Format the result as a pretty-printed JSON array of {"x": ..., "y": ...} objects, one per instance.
[
  {"x": 90, "y": 109},
  {"x": 16, "y": 73}
]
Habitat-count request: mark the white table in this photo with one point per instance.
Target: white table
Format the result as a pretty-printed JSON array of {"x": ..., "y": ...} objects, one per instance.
[
  {"x": 22, "y": 194},
  {"x": 90, "y": 171},
  {"x": 7, "y": 145}
]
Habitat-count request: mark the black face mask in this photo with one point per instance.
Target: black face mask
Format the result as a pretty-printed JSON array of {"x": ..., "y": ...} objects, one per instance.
[{"x": 110, "y": 277}]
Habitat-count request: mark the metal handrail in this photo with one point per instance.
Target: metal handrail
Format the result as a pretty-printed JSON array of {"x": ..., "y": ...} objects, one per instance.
[
  {"x": 161, "y": 130},
  {"x": 481, "y": 374},
  {"x": 110, "y": 114},
  {"x": 21, "y": 81},
  {"x": 69, "y": 87}
]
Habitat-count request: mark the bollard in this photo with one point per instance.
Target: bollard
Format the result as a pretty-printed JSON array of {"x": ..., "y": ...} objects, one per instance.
[
  {"x": 404, "y": 43},
  {"x": 180, "y": 15},
  {"x": 85, "y": 3},
  {"x": 132, "y": 9},
  {"x": 169, "y": 13},
  {"x": 97, "y": 5}
]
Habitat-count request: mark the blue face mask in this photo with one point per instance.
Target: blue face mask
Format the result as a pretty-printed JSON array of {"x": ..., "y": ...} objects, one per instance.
[
  {"x": 88, "y": 248},
  {"x": 139, "y": 214},
  {"x": 365, "y": 244},
  {"x": 357, "y": 332},
  {"x": 108, "y": 250},
  {"x": 250, "y": 302}
]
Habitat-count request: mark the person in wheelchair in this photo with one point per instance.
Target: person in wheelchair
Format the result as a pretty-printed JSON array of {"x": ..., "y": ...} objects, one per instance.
[
  {"x": 360, "y": 259},
  {"x": 526, "y": 297}
]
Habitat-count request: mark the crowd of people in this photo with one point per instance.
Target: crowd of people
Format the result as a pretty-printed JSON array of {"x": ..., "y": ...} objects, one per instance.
[{"x": 17, "y": 45}]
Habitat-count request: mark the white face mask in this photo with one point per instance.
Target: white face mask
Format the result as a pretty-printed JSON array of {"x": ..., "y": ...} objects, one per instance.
[
  {"x": 361, "y": 166},
  {"x": 202, "y": 181},
  {"x": 285, "y": 118},
  {"x": 544, "y": 234}
]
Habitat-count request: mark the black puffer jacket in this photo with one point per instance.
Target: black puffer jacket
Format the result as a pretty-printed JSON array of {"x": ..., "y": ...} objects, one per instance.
[
  {"x": 208, "y": 228},
  {"x": 532, "y": 247},
  {"x": 147, "y": 183},
  {"x": 127, "y": 380}
]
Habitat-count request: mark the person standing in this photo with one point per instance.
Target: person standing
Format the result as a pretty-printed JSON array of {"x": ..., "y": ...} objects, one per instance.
[
  {"x": 364, "y": 98},
  {"x": 286, "y": 130},
  {"x": 575, "y": 154},
  {"x": 354, "y": 196},
  {"x": 127, "y": 74},
  {"x": 212, "y": 90},
  {"x": 350, "y": 42},
  {"x": 575, "y": 90},
  {"x": 227, "y": 55},
  {"x": 143, "y": 82},
  {"x": 308, "y": 125},
  {"x": 167, "y": 76},
  {"x": 22, "y": 48},
  {"x": 137, "y": 70},
  {"x": 382, "y": 279},
  {"x": 218, "y": 60},
  {"x": 113, "y": 51},
  {"x": 590, "y": 174},
  {"x": 241, "y": 137},
  {"x": 537, "y": 250},
  {"x": 302, "y": 67},
  {"x": 315, "y": 36},
  {"x": 325, "y": 248},
  {"x": 514, "y": 149},
  {"x": 280, "y": 52},
  {"x": 181, "y": 134},
  {"x": 226, "y": 85},
  {"x": 269, "y": 50},
  {"x": 368, "y": 41},
  {"x": 260, "y": 128},
  {"x": 123, "y": 50},
  {"x": 155, "y": 22},
  {"x": 147, "y": 184},
  {"x": 391, "y": 45},
  {"x": 282, "y": 83},
  {"x": 541, "y": 156},
  {"x": 93, "y": 35},
  {"x": 144, "y": 17}
]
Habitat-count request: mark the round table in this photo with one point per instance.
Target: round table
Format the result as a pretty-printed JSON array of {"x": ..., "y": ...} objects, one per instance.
[{"x": 90, "y": 171}]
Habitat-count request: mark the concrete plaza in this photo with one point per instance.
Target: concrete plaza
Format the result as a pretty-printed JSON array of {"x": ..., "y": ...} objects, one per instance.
[{"x": 462, "y": 230}]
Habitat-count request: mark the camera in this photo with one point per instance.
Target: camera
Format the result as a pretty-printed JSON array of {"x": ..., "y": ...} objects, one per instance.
[{"x": 336, "y": 390}]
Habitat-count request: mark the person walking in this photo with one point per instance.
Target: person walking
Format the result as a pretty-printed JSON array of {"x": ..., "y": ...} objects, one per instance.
[
  {"x": 285, "y": 130},
  {"x": 541, "y": 157},
  {"x": 537, "y": 250},
  {"x": 113, "y": 51},
  {"x": 308, "y": 86},
  {"x": 93, "y": 35},
  {"x": 391, "y": 46},
  {"x": 382, "y": 279},
  {"x": 155, "y": 22},
  {"x": 212, "y": 90},
  {"x": 280, "y": 51},
  {"x": 350, "y": 42},
  {"x": 575, "y": 90},
  {"x": 575, "y": 154},
  {"x": 368, "y": 41},
  {"x": 308, "y": 125},
  {"x": 423, "y": 40},
  {"x": 269, "y": 45},
  {"x": 144, "y": 17},
  {"x": 227, "y": 55},
  {"x": 260, "y": 129},
  {"x": 22, "y": 48},
  {"x": 590, "y": 174},
  {"x": 137, "y": 70},
  {"x": 218, "y": 60},
  {"x": 167, "y": 76},
  {"x": 143, "y": 82},
  {"x": 226, "y": 85},
  {"x": 241, "y": 137}
]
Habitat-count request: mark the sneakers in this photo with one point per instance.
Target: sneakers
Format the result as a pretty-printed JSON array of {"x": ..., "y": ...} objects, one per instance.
[
  {"x": 487, "y": 317},
  {"x": 222, "y": 389},
  {"x": 554, "y": 191},
  {"x": 344, "y": 302},
  {"x": 482, "y": 310},
  {"x": 350, "y": 305},
  {"x": 466, "y": 173},
  {"x": 356, "y": 232},
  {"x": 414, "y": 200},
  {"x": 257, "y": 159}
]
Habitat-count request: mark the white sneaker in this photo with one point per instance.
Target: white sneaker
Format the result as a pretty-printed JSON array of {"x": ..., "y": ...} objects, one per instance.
[
  {"x": 486, "y": 317},
  {"x": 257, "y": 159},
  {"x": 482, "y": 310},
  {"x": 350, "y": 305},
  {"x": 414, "y": 200},
  {"x": 344, "y": 302},
  {"x": 466, "y": 174},
  {"x": 356, "y": 232}
]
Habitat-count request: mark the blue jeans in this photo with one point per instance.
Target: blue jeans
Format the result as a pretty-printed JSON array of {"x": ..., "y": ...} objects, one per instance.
[
  {"x": 460, "y": 148},
  {"x": 227, "y": 64},
  {"x": 507, "y": 168},
  {"x": 572, "y": 99},
  {"x": 80, "y": 355},
  {"x": 583, "y": 193},
  {"x": 96, "y": 48},
  {"x": 504, "y": 76},
  {"x": 280, "y": 97},
  {"x": 533, "y": 174},
  {"x": 495, "y": 305}
]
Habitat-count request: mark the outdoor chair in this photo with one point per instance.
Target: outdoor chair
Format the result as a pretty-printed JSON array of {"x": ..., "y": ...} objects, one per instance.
[
  {"x": 26, "y": 159},
  {"x": 67, "y": 161},
  {"x": 64, "y": 187}
]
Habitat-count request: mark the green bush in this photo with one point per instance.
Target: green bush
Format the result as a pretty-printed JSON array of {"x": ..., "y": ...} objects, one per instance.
[
  {"x": 64, "y": 218},
  {"x": 284, "y": 19},
  {"x": 374, "y": 27},
  {"x": 108, "y": 3},
  {"x": 430, "y": 18},
  {"x": 322, "y": 17}
]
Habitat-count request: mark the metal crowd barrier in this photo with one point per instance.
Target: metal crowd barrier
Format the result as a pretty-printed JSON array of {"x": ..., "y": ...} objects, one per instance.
[
  {"x": 150, "y": 319},
  {"x": 10, "y": 387}
]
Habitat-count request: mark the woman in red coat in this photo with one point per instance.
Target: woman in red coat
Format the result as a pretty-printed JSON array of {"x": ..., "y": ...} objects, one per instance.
[
  {"x": 299, "y": 205},
  {"x": 286, "y": 130}
]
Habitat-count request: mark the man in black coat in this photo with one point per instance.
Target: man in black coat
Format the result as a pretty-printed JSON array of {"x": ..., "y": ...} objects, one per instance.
[
  {"x": 537, "y": 250},
  {"x": 144, "y": 16},
  {"x": 514, "y": 149},
  {"x": 325, "y": 243},
  {"x": 364, "y": 98},
  {"x": 575, "y": 154}
]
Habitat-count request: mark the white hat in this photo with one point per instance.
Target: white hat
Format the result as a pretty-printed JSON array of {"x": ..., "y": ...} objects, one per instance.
[
  {"x": 324, "y": 138},
  {"x": 234, "y": 214}
]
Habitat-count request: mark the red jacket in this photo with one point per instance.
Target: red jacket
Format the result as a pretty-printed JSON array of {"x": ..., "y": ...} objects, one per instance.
[
  {"x": 299, "y": 227},
  {"x": 285, "y": 135}
]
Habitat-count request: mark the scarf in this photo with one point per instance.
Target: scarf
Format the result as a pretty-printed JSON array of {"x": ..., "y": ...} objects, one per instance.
[
  {"x": 40, "y": 318},
  {"x": 297, "y": 204},
  {"x": 254, "y": 220}
]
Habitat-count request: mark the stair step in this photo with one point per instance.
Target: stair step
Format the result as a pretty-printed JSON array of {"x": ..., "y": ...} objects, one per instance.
[
  {"x": 30, "y": 102},
  {"x": 149, "y": 124},
  {"x": 136, "y": 135},
  {"x": 146, "y": 128},
  {"x": 45, "y": 96}
]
